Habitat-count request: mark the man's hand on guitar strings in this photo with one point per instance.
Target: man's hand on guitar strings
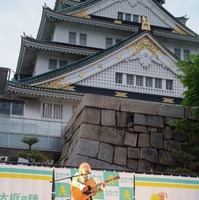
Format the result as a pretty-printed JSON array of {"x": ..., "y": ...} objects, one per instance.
[{"x": 85, "y": 189}]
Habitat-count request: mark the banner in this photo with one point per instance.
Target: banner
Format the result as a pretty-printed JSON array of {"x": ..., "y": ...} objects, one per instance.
[
  {"x": 25, "y": 182},
  {"x": 163, "y": 187},
  {"x": 62, "y": 183},
  {"x": 116, "y": 188},
  {"x": 39, "y": 183}
]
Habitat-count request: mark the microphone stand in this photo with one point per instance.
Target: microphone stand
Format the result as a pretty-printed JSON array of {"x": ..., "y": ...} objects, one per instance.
[{"x": 70, "y": 177}]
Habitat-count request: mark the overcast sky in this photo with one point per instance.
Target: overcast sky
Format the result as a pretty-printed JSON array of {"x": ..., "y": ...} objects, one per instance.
[{"x": 18, "y": 16}]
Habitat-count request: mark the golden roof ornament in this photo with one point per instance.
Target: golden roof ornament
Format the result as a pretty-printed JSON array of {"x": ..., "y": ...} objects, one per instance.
[
  {"x": 145, "y": 25},
  {"x": 24, "y": 35}
]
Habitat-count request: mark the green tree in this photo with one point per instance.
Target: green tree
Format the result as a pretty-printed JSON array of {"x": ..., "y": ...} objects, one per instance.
[
  {"x": 30, "y": 141},
  {"x": 33, "y": 156},
  {"x": 189, "y": 76}
]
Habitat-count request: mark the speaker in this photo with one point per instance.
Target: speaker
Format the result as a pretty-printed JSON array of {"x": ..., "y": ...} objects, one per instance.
[{"x": 4, "y": 77}]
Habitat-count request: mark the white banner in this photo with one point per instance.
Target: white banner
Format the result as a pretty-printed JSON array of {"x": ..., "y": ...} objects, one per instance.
[
  {"x": 35, "y": 183},
  {"x": 25, "y": 182},
  {"x": 120, "y": 186},
  {"x": 155, "y": 187}
]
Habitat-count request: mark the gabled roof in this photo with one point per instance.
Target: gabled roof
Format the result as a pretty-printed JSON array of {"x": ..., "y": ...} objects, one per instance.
[
  {"x": 49, "y": 17},
  {"x": 26, "y": 90},
  {"x": 89, "y": 5},
  {"x": 62, "y": 4},
  {"x": 80, "y": 6},
  {"x": 30, "y": 47},
  {"x": 96, "y": 59}
]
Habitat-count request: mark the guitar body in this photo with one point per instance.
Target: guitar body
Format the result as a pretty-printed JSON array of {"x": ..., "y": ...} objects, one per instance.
[{"x": 77, "y": 194}]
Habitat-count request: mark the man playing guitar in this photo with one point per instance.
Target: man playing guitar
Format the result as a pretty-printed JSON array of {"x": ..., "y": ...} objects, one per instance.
[{"x": 83, "y": 186}]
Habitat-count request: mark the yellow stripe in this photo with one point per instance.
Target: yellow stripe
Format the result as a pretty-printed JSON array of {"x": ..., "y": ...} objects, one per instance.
[
  {"x": 26, "y": 176},
  {"x": 168, "y": 185}
]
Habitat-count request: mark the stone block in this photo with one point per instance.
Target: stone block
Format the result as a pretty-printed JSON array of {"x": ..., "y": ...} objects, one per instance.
[
  {"x": 168, "y": 133},
  {"x": 171, "y": 111},
  {"x": 106, "y": 152},
  {"x": 89, "y": 131},
  {"x": 152, "y": 129},
  {"x": 100, "y": 101},
  {"x": 133, "y": 153},
  {"x": 140, "y": 129},
  {"x": 72, "y": 158},
  {"x": 143, "y": 140},
  {"x": 156, "y": 140},
  {"x": 139, "y": 107},
  {"x": 108, "y": 118},
  {"x": 145, "y": 166},
  {"x": 130, "y": 139},
  {"x": 148, "y": 120},
  {"x": 150, "y": 155},
  {"x": 112, "y": 136},
  {"x": 121, "y": 119},
  {"x": 87, "y": 148},
  {"x": 90, "y": 115},
  {"x": 173, "y": 145},
  {"x": 166, "y": 158},
  {"x": 120, "y": 156},
  {"x": 132, "y": 164}
]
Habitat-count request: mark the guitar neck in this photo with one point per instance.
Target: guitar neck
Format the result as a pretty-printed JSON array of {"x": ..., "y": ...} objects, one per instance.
[{"x": 106, "y": 181}]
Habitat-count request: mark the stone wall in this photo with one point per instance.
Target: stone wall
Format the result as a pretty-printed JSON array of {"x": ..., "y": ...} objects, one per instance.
[{"x": 120, "y": 134}]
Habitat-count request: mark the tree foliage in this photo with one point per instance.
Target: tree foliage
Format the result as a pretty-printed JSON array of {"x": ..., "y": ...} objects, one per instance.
[
  {"x": 189, "y": 76},
  {"x": 33, "y": 156},
  {"x": 30, "y": 141}
]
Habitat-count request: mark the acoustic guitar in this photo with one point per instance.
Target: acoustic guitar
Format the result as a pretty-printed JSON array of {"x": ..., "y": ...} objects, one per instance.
[{"x": 77, "y": 194}]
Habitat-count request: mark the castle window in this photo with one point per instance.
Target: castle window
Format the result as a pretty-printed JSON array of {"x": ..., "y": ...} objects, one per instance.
[
  {"x": 120, "y": 15},
  {"x": 169, "y": 84},
  {"x": 72, "y": 37},
  {"x": 58, "y": 109},
  {"x": 186, "y": 53},
  {"x": 83, "y": 39},
  {"x": 52, "y": 64},
  {"x": 177, "y": 52},
  {"x": 47, "y": 110},
  {"x": 8, "y": 108},
  {"x": 136, "y": 18},
  {"x": 128, "y": 17},
  {"x": 139, "y": 80},
  {"x": 118, "y": 40},
  {"x": 149, "y": 82},
  {"x": 109, "y": 42},
  {"x": 158, "y": 83},
  {"x": 62, "y": 63},
  {"x": 17, "y": 108},
  {"x": 118, "y": 77},
  {"x": 52, "y": 111},
  {"x": 130, "y": 79}
]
